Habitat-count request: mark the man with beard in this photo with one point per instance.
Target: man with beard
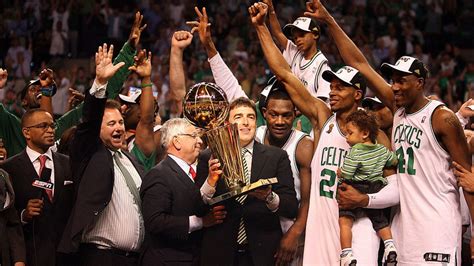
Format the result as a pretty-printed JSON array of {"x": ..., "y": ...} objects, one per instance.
[{"x": 347, "y": 90}]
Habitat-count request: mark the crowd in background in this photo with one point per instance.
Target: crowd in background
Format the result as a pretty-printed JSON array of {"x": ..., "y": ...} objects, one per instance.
[{"x": 63, "y": 34}]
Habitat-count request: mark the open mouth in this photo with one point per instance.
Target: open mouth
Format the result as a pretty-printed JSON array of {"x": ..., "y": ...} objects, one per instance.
[
  {"x": 117, "y": 136},
  {"x": 38, "y": 96}
]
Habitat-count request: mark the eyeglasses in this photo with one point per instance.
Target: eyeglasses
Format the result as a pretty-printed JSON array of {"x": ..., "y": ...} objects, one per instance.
[
  {"x": 194, "y": 135},
  {"x": 44, "y": 126}
]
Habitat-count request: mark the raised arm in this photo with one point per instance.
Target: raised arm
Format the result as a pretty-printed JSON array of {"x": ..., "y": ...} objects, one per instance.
[
  {"x": 87, "y": 136},
  {"x": 315, "y": 109},
  {"x": 46, "y": 77},
  {"x": 275, "y": 25},
  {"x": 220, "y": 71},
  {"x": 144, "y": 133},
  {"x": 126, "y": 55},
  {"x": 351, "y": 54},
  {"x": 179, "y": 41}
]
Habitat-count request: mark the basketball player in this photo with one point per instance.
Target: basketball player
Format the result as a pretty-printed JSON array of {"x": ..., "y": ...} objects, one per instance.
[
  {"x": 299, "y": 42},
  {"x": 426, "y": 137},
  {"x": 322, "y": 245}
]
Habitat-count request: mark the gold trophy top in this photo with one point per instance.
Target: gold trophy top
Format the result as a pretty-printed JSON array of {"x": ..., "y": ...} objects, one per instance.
[{"x": 205, "y": 105}]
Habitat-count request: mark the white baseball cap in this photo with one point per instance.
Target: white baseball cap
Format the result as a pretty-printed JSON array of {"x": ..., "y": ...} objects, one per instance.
[
  {"x": 132, "y": 98},
  {"x": 406, "y": 64},
  {"x": 348, "y": 75},
  {"x": 302, "y": 23}
]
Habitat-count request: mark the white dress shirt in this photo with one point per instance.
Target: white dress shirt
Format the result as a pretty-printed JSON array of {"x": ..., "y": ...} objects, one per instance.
[
  {"x": 34, "y": 159},
  {"x": 120, "y": 225}
]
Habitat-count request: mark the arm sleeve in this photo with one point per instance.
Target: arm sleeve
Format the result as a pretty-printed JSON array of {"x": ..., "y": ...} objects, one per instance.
[
  {"x": 462, "y": 119},
  {"x": 349, "y": 166},
  {"x": 290, "y": 52},
  {"x": 323, "y": 87},
  {"x": 392, "y": 159},
  {"x": 207, "y": 192},
  {"x": 225, "y": 78},
  {"x": 195, "y": 223},
  {"x": 15, "y": 236},
  {"x": 388, "y": 196},
  {"x": 115, "y": 83},
  {"x": 10, "y": 132},
  {"x": 68, "y": 120}
]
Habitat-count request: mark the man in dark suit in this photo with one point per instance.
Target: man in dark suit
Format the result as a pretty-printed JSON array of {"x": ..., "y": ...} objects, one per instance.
[
  {"x": 12, "y": 243},
  {"x": 44, "y": 212},
  {"x": 172, "y": 202},
  {"x": 250, "y": 234},
  {"x": 106, "y": 224}
]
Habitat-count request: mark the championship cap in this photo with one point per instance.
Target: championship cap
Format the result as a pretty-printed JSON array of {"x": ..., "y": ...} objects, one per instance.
[
  {"x": 132, "y": 98},
  {"x": 302, "y": 23},
  {"x": 406, "y": 64},
  {"x": 347, "y": 75},
  {"x": 368, "y": 102}
]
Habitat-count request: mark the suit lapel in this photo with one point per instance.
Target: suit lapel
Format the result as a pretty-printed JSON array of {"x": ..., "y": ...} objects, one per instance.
[
  {"x": 181, "y": 175},
  {"x": 58, "y": 177},
  {"x": 258, "y": 161}
]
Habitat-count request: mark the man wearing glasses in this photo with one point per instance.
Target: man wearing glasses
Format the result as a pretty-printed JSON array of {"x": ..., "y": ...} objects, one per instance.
[
  {"x": 42, "y": 182},
  {"x": 172, "y": 202}
]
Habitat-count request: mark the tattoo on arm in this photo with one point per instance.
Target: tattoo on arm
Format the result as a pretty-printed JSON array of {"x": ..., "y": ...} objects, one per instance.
[{"x": 453, "y": 121}]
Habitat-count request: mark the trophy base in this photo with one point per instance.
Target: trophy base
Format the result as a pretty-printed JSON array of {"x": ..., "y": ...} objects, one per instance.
[{"x": 243, "y": 190}]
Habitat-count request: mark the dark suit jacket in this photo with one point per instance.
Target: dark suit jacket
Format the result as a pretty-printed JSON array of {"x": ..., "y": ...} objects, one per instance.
[
  {"x": 93, "y": 173},
  {"x": 12, "y": 243},
  {"x": 262, "y": 226},
  {"x": 169, "y": 197},
  {"x": 44, "y": 232}
]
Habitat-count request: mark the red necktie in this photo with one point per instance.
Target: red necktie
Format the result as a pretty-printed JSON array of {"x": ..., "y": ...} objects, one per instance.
[
  {"x": 192, "y": 172},
  {"x": 42, "y": 159}
]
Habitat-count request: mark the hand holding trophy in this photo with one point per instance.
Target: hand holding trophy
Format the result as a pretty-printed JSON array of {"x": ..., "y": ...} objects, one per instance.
[{"x": 206, "y": 106}]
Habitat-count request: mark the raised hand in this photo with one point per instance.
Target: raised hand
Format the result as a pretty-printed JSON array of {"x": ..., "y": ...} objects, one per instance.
[
  {"x": 258, "y": 12},
  {"x": 214, "y": 172},
  {"x": 464, "y": 176},
  {"x": 466, "y": 110},
  {"x": 104, "y": 68},
  {"x": 142, "y": 64},
  {"x": 75, "y": 97},
  {"x": 136, "y": 31},
  {"x": 3, "y": 77},
  {"x": 316, "y": 10},
  {"x": 269, "y": 3},
  {"x": 181, "y": 39},
  {"x": 46, "y": 77},
  {"x": 202, "y": 26}
]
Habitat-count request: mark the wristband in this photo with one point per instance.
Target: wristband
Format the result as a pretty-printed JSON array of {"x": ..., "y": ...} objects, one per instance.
[
  {"x": 48, "y": 91},
  {"x": 147, "y": 85}
]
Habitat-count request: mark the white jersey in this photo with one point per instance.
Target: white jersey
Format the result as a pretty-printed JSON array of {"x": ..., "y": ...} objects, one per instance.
[
  {"x": 290, "y": 148},
  {"x": 308, "y": 71},
  {"x": 427, "y": 226},
  {"x": 322, "y": 245}
]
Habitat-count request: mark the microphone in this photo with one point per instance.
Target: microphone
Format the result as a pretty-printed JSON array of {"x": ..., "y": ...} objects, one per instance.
[{"x": 43, "y": 182}]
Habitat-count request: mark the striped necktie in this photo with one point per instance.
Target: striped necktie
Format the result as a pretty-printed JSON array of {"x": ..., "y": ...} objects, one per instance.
[{"x": 242, "y": 235}]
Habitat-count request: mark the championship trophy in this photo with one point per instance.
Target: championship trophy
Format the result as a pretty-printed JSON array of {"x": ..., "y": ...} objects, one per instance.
[{"x": 206, "y": 106}]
